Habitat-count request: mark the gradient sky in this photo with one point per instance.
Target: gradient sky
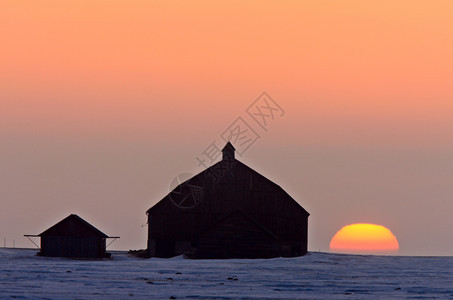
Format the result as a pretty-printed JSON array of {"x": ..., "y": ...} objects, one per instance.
[{"x": 103, "y": 103}]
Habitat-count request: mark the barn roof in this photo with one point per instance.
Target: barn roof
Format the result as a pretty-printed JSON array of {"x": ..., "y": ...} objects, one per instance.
[
  {"x": 73, "y": 225},
  {"x": 231, "y": 164}
]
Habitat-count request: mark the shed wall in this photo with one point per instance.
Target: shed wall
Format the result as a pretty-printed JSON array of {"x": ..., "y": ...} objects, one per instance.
[{"x": 69, "y": 246}]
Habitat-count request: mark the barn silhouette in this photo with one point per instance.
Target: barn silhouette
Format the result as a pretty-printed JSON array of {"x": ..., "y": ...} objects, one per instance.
[{"x": 227, "y": 211}]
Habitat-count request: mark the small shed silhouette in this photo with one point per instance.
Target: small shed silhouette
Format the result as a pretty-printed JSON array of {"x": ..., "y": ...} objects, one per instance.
[
  {"x": 227, "y": 211},
  {"x": 73, "y": 237}
]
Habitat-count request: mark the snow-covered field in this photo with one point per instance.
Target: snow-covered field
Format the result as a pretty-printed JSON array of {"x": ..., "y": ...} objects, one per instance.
[{"x": 314, "y": 276}]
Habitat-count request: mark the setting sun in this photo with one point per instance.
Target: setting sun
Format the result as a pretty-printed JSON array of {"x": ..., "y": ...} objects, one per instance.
[{"x": 364, "y": 238}]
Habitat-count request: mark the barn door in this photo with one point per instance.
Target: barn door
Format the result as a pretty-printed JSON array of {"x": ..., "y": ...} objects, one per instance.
[{"x": 165, "y": 248}]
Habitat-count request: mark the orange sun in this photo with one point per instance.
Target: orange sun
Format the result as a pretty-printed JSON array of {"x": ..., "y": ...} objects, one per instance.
[{"x": 364, "y": 239}]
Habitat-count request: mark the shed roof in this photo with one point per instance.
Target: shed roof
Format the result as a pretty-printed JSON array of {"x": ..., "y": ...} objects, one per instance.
[{"x": 73, "y": 225}]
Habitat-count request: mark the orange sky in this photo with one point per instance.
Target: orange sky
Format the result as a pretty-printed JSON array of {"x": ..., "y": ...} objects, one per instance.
[
  {"x": 364, "y": 84},
  {"x": 374, "y": 58}
]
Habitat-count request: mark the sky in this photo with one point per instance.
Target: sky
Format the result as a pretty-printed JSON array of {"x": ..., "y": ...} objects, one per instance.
[{"x": 104, "y": 103}]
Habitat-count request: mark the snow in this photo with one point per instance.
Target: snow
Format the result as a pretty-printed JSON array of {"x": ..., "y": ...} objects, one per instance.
[{"x": 317, "y": 275}]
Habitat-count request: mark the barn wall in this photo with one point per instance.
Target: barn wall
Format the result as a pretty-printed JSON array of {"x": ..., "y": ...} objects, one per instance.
[
  {"x": 239, "y": 189},
  {"x": 237, "y": 237}
]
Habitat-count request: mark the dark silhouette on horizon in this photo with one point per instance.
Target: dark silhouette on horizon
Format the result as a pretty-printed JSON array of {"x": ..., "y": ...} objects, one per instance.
[
  {"x": 227, "y": 211},
  {"x": 73, "y": 237}
]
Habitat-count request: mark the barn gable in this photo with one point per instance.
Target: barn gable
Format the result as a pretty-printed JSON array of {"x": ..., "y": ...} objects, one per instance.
[{"x": 198, "y": 204}]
